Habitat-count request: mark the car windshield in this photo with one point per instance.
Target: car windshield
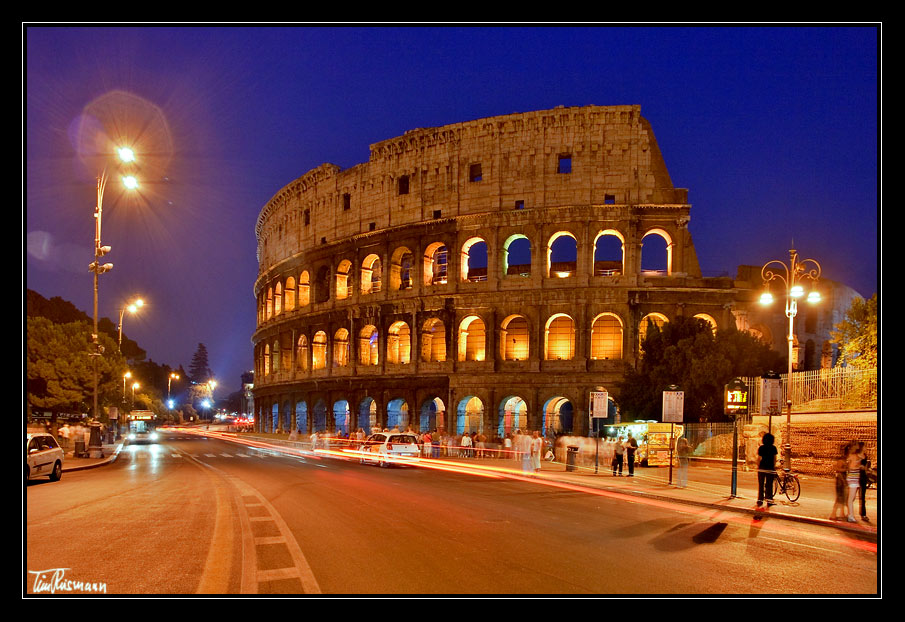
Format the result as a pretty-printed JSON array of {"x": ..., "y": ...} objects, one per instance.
[{"x": 403, "y": 439}]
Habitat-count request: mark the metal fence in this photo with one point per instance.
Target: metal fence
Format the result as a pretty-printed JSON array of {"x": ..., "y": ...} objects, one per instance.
[{"x": 822, "y": 390}]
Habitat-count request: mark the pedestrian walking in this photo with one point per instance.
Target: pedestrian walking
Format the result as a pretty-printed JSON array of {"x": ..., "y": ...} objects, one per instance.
[
  {"x": 631, "y": 446},
  {"x": 683, "y": 451},
  {"x": 426, "y": 441},
  {"x": 863, "y": 482},
  {"x": 618, "y": 453},
  {"x": 507, "y": 446},
  {"x": 766, "y": 469},
  {"x": 840, "y": 468}
]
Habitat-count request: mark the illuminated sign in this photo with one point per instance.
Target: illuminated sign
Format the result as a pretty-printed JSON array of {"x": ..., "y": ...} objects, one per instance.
[{"x": 735, "y": 398}]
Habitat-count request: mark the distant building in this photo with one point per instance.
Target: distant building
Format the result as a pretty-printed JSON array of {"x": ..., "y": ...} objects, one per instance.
[{"x": 480, "y": 276}]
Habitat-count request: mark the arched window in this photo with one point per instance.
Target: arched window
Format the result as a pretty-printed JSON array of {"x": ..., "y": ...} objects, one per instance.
[
  {"x": 319, "y": 350},
  {"x": 474, "y": 260},
  {"x": 435, "y": 264},
  {"x": 517, "y": 256},
  {"x": 275, "y": 356},
  {"x": 401, "y": 269},
  {"x": 606, "y": 337},
  {"x": 267, "y": 360},
  {"x": 342, "y": 279},
  {"x": 399, "y": 343},
  {"x": 609, "y": 253},
  {"x": 269, "y": 303},
  {"x": 289, "y": 295},
  {"x": 656, "y": 254},
  {"x": 367, "y": 346},
  {"x": 562, "y": 255},
  {"x": 304, "y": 289},
  {"x": 278, "y": 299},
  {"x": 371, "y": 274},
  {"x": 301, "y": 354},
  {"x": 557, "y": 416},
  {"x": 433, "y": 341},
  {"x": 472, "y": 339},
  {"x": 514, "y": 338},
  {"x": 559, "y": 338},
  {"x": 341, "y": 348},
  {"x": 708, "y": 319}
]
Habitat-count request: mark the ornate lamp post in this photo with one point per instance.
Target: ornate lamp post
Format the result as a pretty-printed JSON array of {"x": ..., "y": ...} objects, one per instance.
[{"x": 792, "y": 275}]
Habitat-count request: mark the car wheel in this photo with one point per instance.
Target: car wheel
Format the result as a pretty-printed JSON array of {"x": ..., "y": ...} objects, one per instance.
[{"x": 57, "y": 472}]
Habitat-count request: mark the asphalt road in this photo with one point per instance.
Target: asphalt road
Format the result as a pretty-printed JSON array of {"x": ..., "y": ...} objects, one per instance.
[{"x": 194, "y": 515}]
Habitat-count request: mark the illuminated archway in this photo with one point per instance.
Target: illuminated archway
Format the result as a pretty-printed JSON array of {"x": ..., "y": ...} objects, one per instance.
[
  {"x": 606, "y": 337},
  {"x": 472, "y": 339},
  {"x": 559, "y": 338}
]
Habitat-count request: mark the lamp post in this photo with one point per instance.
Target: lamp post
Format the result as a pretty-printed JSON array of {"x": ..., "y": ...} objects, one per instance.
[
  {"x": 131, "y": 307},
  {"x": 792, "y": 275},
  {"x": 213, "y": 385},
  {"x": 173, "y": 376},
  {"x": 95, "y": 449}
]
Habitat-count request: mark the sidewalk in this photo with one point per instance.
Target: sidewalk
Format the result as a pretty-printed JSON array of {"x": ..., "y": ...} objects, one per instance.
[
  {"x": 110, "y": 450},
  {"x": 709, "y": 485}
]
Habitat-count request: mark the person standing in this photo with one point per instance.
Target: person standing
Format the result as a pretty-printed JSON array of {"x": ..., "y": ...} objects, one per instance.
[
  {"x": 766, "y": 469},
  {"x": 537, "y": 446},
  {"x": 631, "y": 446},
  {"x": 855, "y": 458},
  {"x": 840, "y": 467},
  {"x": 863, "y": 481},
  {"x": 683, "y": 450},
  {"x": 426, "y": 441},
  {"x": 618, "y": 452}
]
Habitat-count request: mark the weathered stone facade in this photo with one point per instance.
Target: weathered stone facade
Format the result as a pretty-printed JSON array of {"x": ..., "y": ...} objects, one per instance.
[{"x": 374, "y": 308}]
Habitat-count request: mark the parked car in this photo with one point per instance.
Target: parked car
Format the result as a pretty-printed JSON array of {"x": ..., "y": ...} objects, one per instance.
[
  {"x": 43, "y": 456},
  {"x": 386, "y": 448}
]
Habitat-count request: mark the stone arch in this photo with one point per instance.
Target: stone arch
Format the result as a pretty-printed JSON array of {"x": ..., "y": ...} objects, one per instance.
[
  {"x": 368, "y": 346},
  {"x": 709, "y": 319},
  {"x": 401, "y": 269},
  {"x": 517, "y": 256},
  {"x": 399, "y": 343},
  {"x": 607, "y": 260},
  {"x": 513, "y": 415},
  {"x": 559, "y": 338},
  {"x": 470, "y": 415},
  {"x": 433, "y": 340},
  {"x": 562, "y": 254},
  {"x": 436, "y": 264},
  {"x": 648, "y": 323},
  {"x": 319, "y": 350},
  {"x": 472, "y": 339},
  {"x": 558, "y": 416},
  {"x": 606, "y": 337},
  {"x": 515, "y": 338},
  {"x": 341, "y": 348},
  {"x": 304, "y": 289},
  {"x": 398, "y": 414},
  {"x": 474, "y": 260},
  {"x": 343, "y": 279},
  {"x": 651, "y": 265},
  {"x": 371, "y": 274},
  {"x": 289, "y": 295}
]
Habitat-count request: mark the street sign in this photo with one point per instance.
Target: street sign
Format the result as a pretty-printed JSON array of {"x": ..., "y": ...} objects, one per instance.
[
  {"x": 770, "y": 395},
  {"x": 673, "y": 406},
  {"x": 600, "y": 404},
  {"x": 735, "y": 398}
]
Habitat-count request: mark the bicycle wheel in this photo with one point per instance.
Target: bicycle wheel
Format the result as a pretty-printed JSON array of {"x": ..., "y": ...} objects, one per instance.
[
  {"x": 777, "y": 487},
  {"x": 793, "y": 488}
]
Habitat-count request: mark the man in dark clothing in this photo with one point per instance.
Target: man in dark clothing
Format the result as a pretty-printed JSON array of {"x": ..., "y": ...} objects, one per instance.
[
  {"x": 631, "y": 446},
  {"x": 766, "y": 469}
]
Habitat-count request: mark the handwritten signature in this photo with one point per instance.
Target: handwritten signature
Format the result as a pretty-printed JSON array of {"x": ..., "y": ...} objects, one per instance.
[{"x": 54, "y": 580}]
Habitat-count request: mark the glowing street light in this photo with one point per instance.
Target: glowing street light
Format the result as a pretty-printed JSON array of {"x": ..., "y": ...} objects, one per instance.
[
  {"x": 792, "y": 275},
  {"x": 173, "y": 376},
  {"x": 131, "y": 307}
]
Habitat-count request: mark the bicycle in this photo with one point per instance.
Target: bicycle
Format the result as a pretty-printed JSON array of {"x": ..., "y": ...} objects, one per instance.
[{"x": 787, "y": 484}]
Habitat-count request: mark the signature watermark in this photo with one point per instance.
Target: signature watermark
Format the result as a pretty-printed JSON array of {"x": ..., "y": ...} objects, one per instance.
[{"x": 53, "y": 581}]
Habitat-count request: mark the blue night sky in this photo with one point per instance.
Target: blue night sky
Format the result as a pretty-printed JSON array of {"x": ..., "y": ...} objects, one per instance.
[{"x": 772, "y": 129}]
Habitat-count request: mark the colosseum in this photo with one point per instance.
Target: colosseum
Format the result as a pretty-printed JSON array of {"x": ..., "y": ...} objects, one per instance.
[{"x": 481, "y": 276}]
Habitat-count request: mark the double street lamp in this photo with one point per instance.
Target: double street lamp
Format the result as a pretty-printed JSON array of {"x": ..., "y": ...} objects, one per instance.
[
  {"x": 131, "y": 307},
  {"x": 792, "y": 275},
  {"x": 127, "y": 156}
]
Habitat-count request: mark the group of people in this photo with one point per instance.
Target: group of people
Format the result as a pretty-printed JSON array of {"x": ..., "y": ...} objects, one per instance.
[
  {"x": 852, "y": 468},
  {"x": 620, "y": 452}
]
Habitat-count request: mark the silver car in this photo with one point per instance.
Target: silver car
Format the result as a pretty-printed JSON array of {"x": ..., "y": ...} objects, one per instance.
[
  {"x": 43, "y": 456},
  {"x": 387, "y": 448}
]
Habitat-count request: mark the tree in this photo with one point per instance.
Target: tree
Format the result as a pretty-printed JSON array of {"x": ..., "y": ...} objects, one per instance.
[
  {"x": 60, "y": 372},
  {"x": 686, "y": 353},
  {"x": 856, "y": 335},
  {"x": 199, "y": 370}
]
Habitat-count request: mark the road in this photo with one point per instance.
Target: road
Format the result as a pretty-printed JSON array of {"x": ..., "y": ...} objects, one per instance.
[{"x": 194, "y": 515}]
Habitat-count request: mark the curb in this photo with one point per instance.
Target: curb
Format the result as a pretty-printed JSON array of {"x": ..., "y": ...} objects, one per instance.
[{"x": 91, "y": 465}]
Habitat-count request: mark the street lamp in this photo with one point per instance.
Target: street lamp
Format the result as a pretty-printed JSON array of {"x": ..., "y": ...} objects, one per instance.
[
  {"x": 126, "y": 155},
  {"x": 792, "y": 275},
  {"x": 212, "y": 384},
  {"x": 173, "y": 376},
  {"x": 131, "y": 307}
]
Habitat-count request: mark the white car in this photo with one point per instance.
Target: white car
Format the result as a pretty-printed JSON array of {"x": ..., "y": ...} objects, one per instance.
[
  {"x": 387, "y": 448},
  {"x": 43, "y": 456},
  {"x": 142, "y": 434}
]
